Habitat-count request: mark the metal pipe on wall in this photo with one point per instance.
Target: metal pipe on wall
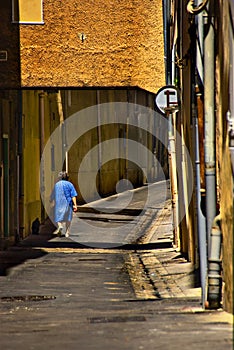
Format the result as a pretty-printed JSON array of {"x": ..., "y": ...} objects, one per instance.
[
  {"x": 173, "y": 176},
  {"x": 209, "y": 118},
  {"x": 171, "y": 124},
  {"x": 62, "y": 127},
  {"x": 201, "y": 220},
  {"x": 205, "y": 74},
  {"x": 42, "y": 143},
  {"x": 42, "y": 120},
  {"x": 166, "y": 30},
  {"x": 214, "y": 235},
  {"x": 19, "y": 189},
  {"x": 99, "y": 134},
  {"x": 214, "y": 271}
]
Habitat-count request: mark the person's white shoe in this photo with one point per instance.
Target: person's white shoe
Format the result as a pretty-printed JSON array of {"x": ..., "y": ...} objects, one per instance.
[{"x": 59, "y": 231}]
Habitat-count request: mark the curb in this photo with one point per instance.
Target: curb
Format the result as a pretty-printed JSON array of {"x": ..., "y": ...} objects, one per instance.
[{"x": 170, "y": 275}]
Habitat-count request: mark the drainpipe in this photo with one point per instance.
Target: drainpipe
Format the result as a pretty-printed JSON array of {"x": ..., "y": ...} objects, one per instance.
[
  {"x": 214, "y": 245},
  {"x": 173, "y": 175},
  {"x": 42, "y": 121},
  {"x": 62, "y": 129},
  {"x": 171, "y": 123},
  {"x": 212, "y": 221},
  {"x": 214, "y": 270},
  {"x": 19, "y": 168},
  {"x": 201, "y": 222},
  {"x": 209, "y": 109},
  {"x": 209, "y": 122},
  {"x": 166, "y": 34},
  {"x": 42, "y": 143},
  {"x": 99, "y": 134}
]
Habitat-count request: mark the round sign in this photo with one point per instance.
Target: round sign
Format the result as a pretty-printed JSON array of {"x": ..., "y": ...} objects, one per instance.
[{"x": 167, "y": 99}]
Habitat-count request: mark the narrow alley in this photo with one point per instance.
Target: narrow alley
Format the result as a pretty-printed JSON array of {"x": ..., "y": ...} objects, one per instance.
[
  {"x": 116, "y": 174},
  {"x": 62, "y": 293}
]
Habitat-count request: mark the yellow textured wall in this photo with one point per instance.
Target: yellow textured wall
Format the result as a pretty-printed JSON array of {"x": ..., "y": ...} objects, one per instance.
[
  {"x": 31, "y": 135},
  {"x": 185, "y": 233},
  {"x": 225, "y": 178},
  {"x": 123, "y": 45},
  {"x": 31, "y": 150},
  {"x": 119, "y": 167},
  {"x": 59, "y": 105}
]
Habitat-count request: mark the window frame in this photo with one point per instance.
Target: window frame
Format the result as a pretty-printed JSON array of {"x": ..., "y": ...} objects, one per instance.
[{"x": 14, "y": 15}]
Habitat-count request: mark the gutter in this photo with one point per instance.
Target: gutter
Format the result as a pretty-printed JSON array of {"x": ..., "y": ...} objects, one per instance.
[{"x": 213, "y": 230}]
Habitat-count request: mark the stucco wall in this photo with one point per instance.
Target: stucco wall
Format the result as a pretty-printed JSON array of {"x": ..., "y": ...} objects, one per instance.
[
  {"x": 120, "y": 166},
  {"x": 63, "y": 104},
  {"x": 31, "y": 159},
  {"x": 123, "y": 45},
  {"x": 225, "y": 178}
]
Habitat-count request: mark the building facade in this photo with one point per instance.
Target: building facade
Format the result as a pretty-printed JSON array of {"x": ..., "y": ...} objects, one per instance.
[
  {"x": 56, "y": 59},
  {"x": 200, "y": 64}
]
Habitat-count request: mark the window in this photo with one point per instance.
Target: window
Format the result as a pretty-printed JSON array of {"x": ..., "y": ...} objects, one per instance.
[{"x": 27, "y": 11}]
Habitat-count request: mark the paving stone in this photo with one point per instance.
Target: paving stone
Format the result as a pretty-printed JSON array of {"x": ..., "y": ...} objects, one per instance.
[{"x": 59, "y": 294}]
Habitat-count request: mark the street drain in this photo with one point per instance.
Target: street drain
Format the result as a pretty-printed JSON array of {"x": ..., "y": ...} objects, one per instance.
[
  {"x": 28, "y": 298},
  {"x": 117, "y": 319}
]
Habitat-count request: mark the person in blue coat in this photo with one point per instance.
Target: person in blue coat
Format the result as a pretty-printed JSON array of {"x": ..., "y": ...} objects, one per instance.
[{"x": 64, "y": 198}]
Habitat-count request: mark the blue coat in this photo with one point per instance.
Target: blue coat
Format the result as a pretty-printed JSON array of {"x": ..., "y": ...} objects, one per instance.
[{"x": 62, "y": 194}]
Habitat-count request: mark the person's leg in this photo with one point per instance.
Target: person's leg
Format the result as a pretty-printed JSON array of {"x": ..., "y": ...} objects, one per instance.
[
  {"x": 59, "y": 230},
  {"x": 68, "y": 224}
]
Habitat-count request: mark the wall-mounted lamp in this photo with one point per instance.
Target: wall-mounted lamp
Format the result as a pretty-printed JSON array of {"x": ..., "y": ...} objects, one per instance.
[{"x": 82, "y": 37}]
